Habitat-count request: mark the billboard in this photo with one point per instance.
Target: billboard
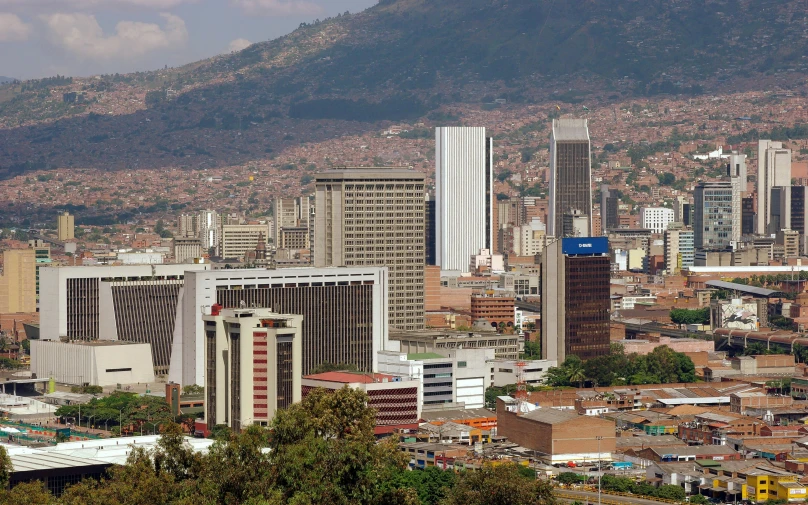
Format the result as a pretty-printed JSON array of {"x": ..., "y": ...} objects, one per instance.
[
  {"x": 585, "y": 245},
  {"x": 738, "y": 315}
]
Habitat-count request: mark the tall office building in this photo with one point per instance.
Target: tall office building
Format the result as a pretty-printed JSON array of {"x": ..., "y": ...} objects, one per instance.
[
  {"x": 774, "y": 169},
  {"x": 344, "y": 312},
  {"x": 609, "y": 209},
  {"x": 736, "y": 167},
  {"x": 717, "y": 217},
  {"x": 209, "y": 228},
  {"x": 375, "y": 217},
  {"x": 464, "y": 184},
  {"x": 42, "y": 253},
  {"x": 748, "y": 215},
  {"x": 187, "y": 226},
  {"x": 239, "y": 239},
  {"x": 788, "y": 206},
  {"x": 679, "y": 250},
  {"x": 570, "y": 174},
  {"x": 66, "y": 229},
  {"x": 656, "y": 219},
  {"x": 575, "y": 290},
  {"x": 291, "y": 213},
  {"x": 18, "y": 282},
  {"x": 253, "y": 365},
  {"x": 128, "y": 303},
  {"x": 429, "y": 229}
]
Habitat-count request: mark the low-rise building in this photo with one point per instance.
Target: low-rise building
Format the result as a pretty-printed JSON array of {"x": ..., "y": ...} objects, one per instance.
[
  {"x": 557, "y": 436},
  {"x": 96, "y": 363},
  {"x": 394, "y": 398},
  {"x": 742, "y": 402}
]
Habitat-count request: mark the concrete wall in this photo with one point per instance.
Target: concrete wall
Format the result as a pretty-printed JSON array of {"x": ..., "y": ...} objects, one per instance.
[{"x": 94, "y": 364}]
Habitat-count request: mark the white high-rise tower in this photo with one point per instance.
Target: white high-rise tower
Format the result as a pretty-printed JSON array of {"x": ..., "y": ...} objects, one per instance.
[
  {"x": 774, "y": 169},
  {"x": 464, "y": 221}
]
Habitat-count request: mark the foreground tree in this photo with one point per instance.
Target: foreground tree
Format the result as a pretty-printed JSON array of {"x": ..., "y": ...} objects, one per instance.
[{"x": 499, "y": 485}]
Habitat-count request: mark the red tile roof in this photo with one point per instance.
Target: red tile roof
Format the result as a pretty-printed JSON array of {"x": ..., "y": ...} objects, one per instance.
[{"x": 350, "y": 377}]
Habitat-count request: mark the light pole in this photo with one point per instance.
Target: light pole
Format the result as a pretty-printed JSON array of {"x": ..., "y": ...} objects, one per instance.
[
  {"x": 120, "y": 422},
  {"x": 600, "y": 471}
]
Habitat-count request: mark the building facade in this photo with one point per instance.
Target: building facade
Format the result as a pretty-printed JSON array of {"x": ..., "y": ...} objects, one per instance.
[
  {"x": 464, "y": 183},
  {"x": 65, "y": 226},
  {"x": 497, "y": 310},
  {"x": 375, "y": 217},
  {"x": 774, "y": 169},
  {"x": 570, "y": 174},
  {"x": 575, "y": 295},
  {"x": 98, "y": 363},
  {"x": 187, "y": 249},
  {"x": 717, "y": 219},
  {"x": 18, "y": 282},
  {"x": 253, "y": 362},
  {"x": 239, "y": 239},
  {"x": 344, "y": 312},
  {"x": 609, "y": 209},
  {"x": 679, "y": 250},
  {"x": 656, "y": 219},
  {"x": 209, "y": 229},
  {"x": 394, "y": 398}
]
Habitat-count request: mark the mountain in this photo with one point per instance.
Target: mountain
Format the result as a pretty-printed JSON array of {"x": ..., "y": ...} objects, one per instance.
[
  {"x": 398, "y": 61},
  {"x": 4, "y": 79}
]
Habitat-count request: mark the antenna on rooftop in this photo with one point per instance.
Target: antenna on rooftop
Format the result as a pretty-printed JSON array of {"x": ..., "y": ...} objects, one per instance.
[{"x": 521, "y": 387}]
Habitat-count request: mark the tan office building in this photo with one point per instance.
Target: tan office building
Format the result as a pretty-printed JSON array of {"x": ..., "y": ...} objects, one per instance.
[
  {"x": 238, "y": 239},
  {"x": 253, "y": 365},
  {"x": 66, "y": 227},
  {"x": 375, "y": 217},
  {"x": 18, "y": 282}
]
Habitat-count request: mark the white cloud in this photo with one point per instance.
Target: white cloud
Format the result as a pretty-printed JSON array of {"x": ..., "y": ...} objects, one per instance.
[
  {"x": 12, "y": 28},
  {"x": 280, "y": 7},
  {"x": 238, "y": 45},
  {"x": 83, "y": 4},
  {"x": 81, "y": 35}
]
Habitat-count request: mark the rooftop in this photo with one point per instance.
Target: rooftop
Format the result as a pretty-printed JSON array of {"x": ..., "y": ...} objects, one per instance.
[
  {"x": 551, "y": 416},
  {"x": 350, "y": 377},
  {"x": 743, "y": 288},
  {"x": 570, "y": 129}
]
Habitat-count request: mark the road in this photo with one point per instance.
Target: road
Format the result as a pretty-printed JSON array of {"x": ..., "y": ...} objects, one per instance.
[{"x": 605, "y": 499}]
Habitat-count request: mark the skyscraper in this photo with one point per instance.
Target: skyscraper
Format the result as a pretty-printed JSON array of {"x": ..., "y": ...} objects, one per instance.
[
  {"x": 575, "y": 289},
  {"x": 717, "y": 217},
  {"x": 609, "y": 204},
  {"x": 209, "y": 227},
  {"x": 464, "y": 202},
  {"x": 570, "y": 174},
  {"x": 65, "y": 227},
  {"x": 375, "y": 217},
  {"x": 774, "y": 169},
  {"x": 18, "y": 282}
]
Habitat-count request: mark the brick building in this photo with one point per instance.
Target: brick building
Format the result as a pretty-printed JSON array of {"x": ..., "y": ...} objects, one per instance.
[
  {"x": 497, "y": 310},
  {"x": 395, "y": 399},
  {"x": 557, "y": 436}
]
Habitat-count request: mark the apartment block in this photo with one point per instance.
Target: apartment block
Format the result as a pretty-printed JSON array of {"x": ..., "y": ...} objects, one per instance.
[{"x": 239, "y": 239}]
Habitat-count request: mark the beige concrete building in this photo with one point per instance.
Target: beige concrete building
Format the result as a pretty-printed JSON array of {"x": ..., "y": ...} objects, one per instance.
[
  {"x": 238, "y": 239},
  {"x": 18, "y": 282},
  {"x": 187, "y": 249},
  {"x": 253, "y": 365},
  {"x": 375, "y": 217},
  {"x": 66, "y": 227}
]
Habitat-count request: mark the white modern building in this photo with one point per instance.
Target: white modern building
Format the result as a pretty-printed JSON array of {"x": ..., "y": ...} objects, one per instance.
[
  {"x": 464, "y": 183},
  {"x": 774, "y": 169},
  {"x": 506, "y": 371},
  {"x": 453, "y": 378},
  {"x": 98, "y": 363},
  {"x": 135, "y": 303},
  {"x": 239, "y": 239},
  {"x": 656, "y": 219},
  {"x": 570, "y": 176},
  {"x": 209, "y": 227},
  {"x": 529, "y": 239},
  {"x": 344, "y": 310}
]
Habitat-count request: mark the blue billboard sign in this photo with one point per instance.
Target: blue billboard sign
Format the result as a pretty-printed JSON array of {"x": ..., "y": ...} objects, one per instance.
[{"x": 585, "y": 245}]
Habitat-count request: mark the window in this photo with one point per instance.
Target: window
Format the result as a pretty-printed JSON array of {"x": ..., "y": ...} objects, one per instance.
[
  {"x": 109, "y": 370},
  {"x": 461, "y": 364}
]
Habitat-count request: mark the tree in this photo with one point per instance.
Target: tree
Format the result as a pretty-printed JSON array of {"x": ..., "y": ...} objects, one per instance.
[
  {"x": 334, "y": 367},
  {"x": 5, "y": 468},
  {"x": 699, "y": 499},
  {"x": 497, "y": 485},
  {"x": 568, "y": 478},
  {"x": 174, "y": 455},
  {"x": 671, "y": 492},
  {"x": 687, "y": 316},
  {"x": 27, "y": 493},
  {"x": 532, "y": 350},
  {"x": 431, "y": 484},
  {"x": 193, "y": 389}
]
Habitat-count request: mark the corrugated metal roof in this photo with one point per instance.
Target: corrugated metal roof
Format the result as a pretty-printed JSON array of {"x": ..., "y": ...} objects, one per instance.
[
  {"x": 48, "y": 461},
  {"x": 743, "y": 288}
]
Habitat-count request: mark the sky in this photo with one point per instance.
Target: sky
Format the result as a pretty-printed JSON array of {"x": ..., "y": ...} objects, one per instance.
[{"x": 42, "y": 38}]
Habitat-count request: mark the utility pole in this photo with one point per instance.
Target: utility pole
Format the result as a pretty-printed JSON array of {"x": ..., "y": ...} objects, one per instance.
[{"x": 600, "y": 469}]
